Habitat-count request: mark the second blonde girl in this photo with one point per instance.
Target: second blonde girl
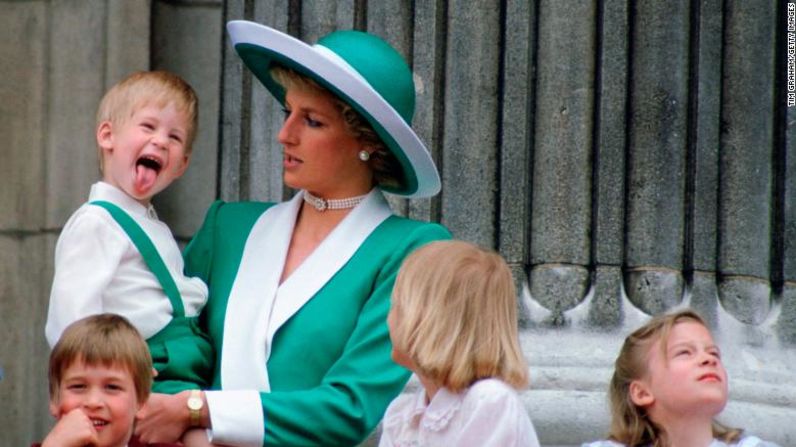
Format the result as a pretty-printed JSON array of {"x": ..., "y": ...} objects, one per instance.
[{"x": 453, "y": 322}]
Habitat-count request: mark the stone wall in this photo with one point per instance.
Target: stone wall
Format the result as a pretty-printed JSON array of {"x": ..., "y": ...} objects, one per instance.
[
  {"x": 59, "y": 58},
  {"x": 626, "y": 158}
]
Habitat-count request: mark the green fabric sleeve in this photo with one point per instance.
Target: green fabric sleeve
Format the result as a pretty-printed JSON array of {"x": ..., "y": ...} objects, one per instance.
[
  {"x": 198, "y": 254},
  {"x": 213, "y": 255}
]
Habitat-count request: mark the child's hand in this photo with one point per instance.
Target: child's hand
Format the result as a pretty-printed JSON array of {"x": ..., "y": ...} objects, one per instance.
[{"x": 74, "y": 429}]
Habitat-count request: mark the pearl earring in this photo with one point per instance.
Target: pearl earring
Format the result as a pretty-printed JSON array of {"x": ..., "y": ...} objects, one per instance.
[{"x": 364, "y": 155}]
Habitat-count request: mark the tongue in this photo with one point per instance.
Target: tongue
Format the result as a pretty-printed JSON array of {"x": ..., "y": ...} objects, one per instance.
[{"x": 144, "y": 178}]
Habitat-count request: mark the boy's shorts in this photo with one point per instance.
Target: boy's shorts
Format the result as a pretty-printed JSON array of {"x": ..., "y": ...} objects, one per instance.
[{"x": 183, "y": 356}]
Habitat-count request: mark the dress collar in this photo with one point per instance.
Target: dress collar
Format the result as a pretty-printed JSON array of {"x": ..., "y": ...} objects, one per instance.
[{"x": 435, "y": 415}]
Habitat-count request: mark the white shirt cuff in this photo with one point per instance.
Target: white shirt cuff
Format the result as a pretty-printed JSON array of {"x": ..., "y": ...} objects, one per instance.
[{"x": 236, "y": 418}]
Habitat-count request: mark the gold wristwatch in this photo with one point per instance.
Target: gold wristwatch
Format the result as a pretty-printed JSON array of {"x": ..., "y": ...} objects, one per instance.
[{"x": 195, "y": 404}]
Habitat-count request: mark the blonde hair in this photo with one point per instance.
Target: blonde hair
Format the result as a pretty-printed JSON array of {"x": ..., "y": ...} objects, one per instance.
[
  {"x": 103, "y": 339},
  {"x": 630, "y": 424},
  {"x": 385, "y": 166},
  {"x": 142, "y": 88},
  {"x": 456, "y": 315}
]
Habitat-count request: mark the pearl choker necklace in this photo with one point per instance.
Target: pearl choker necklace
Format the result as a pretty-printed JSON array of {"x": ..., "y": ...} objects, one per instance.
[{"x": 332, "y": 204}]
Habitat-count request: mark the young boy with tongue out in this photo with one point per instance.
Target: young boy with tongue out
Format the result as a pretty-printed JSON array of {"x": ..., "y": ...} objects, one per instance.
[{"x": 114, "y": 255}]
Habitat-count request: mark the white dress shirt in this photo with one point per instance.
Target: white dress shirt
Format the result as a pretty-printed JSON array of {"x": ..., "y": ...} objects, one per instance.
[
  {"x": 98, "y": 269},
  {"x": 489, "y": 413}
]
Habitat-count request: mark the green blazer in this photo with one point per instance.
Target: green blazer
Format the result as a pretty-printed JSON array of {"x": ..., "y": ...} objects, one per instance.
[{"x": 315, "y": 349}]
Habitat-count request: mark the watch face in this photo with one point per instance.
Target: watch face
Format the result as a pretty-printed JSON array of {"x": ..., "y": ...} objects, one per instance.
[{"x": 195, "y": 403}]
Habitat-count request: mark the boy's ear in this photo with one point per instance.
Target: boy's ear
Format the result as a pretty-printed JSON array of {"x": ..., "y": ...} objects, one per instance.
[
  {"x": 640, "y": 394},
  {"x": 105, "y": 135},
  {"x": 54, "y": 411},
  {"x": 141, "y": 408},
  {"x": 186, "y": 159}
]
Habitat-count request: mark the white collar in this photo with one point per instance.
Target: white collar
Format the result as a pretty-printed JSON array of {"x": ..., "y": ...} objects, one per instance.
[
  {"x": 107, "y": 192},
  {"x": 435, "y": 415}
]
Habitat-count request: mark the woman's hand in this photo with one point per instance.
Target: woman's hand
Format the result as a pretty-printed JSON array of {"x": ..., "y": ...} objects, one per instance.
[{"x": 164, "y": 418}]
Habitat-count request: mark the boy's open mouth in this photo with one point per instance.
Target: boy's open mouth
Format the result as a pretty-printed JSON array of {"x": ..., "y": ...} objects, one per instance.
[
  {"x": 149, "y": 162},
  {"x": 146, "y": 172}
]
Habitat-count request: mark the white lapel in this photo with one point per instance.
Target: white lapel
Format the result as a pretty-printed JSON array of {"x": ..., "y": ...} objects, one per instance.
[
  {"x": 328, "y": 258},
  {"x": 258, "y": 305},
  {"x": 244, "y": 352}
]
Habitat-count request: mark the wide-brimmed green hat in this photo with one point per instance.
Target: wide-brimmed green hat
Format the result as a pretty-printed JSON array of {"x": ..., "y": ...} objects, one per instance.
[{"x": 363, "y": 70}]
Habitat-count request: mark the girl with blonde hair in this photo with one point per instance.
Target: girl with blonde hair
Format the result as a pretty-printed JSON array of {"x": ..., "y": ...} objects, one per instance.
[
  {"x": 668, "y": 386},
  {"x": 453, "y": 322}
]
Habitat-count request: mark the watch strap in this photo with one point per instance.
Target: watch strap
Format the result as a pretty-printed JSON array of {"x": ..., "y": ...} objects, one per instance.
[{"x": 195, "y": 404}]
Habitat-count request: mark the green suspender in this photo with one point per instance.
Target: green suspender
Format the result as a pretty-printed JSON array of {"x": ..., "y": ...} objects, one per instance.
[{"x": 148, "y": 252}]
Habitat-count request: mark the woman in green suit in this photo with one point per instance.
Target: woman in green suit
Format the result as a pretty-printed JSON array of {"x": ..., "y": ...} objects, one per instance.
[{"x": 300, "y": 290}]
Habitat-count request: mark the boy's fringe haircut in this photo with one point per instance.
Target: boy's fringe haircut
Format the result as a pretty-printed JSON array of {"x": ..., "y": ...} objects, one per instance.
[
  {"x": 630, "y": 424},
  {"x": 149, "y": 87},
  {"x": 457, "y": 316},
  {"x": 104, "y": 339}
]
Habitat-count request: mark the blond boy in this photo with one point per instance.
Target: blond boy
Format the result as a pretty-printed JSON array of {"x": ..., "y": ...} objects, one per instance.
[{"x": 114, "y": 254}]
